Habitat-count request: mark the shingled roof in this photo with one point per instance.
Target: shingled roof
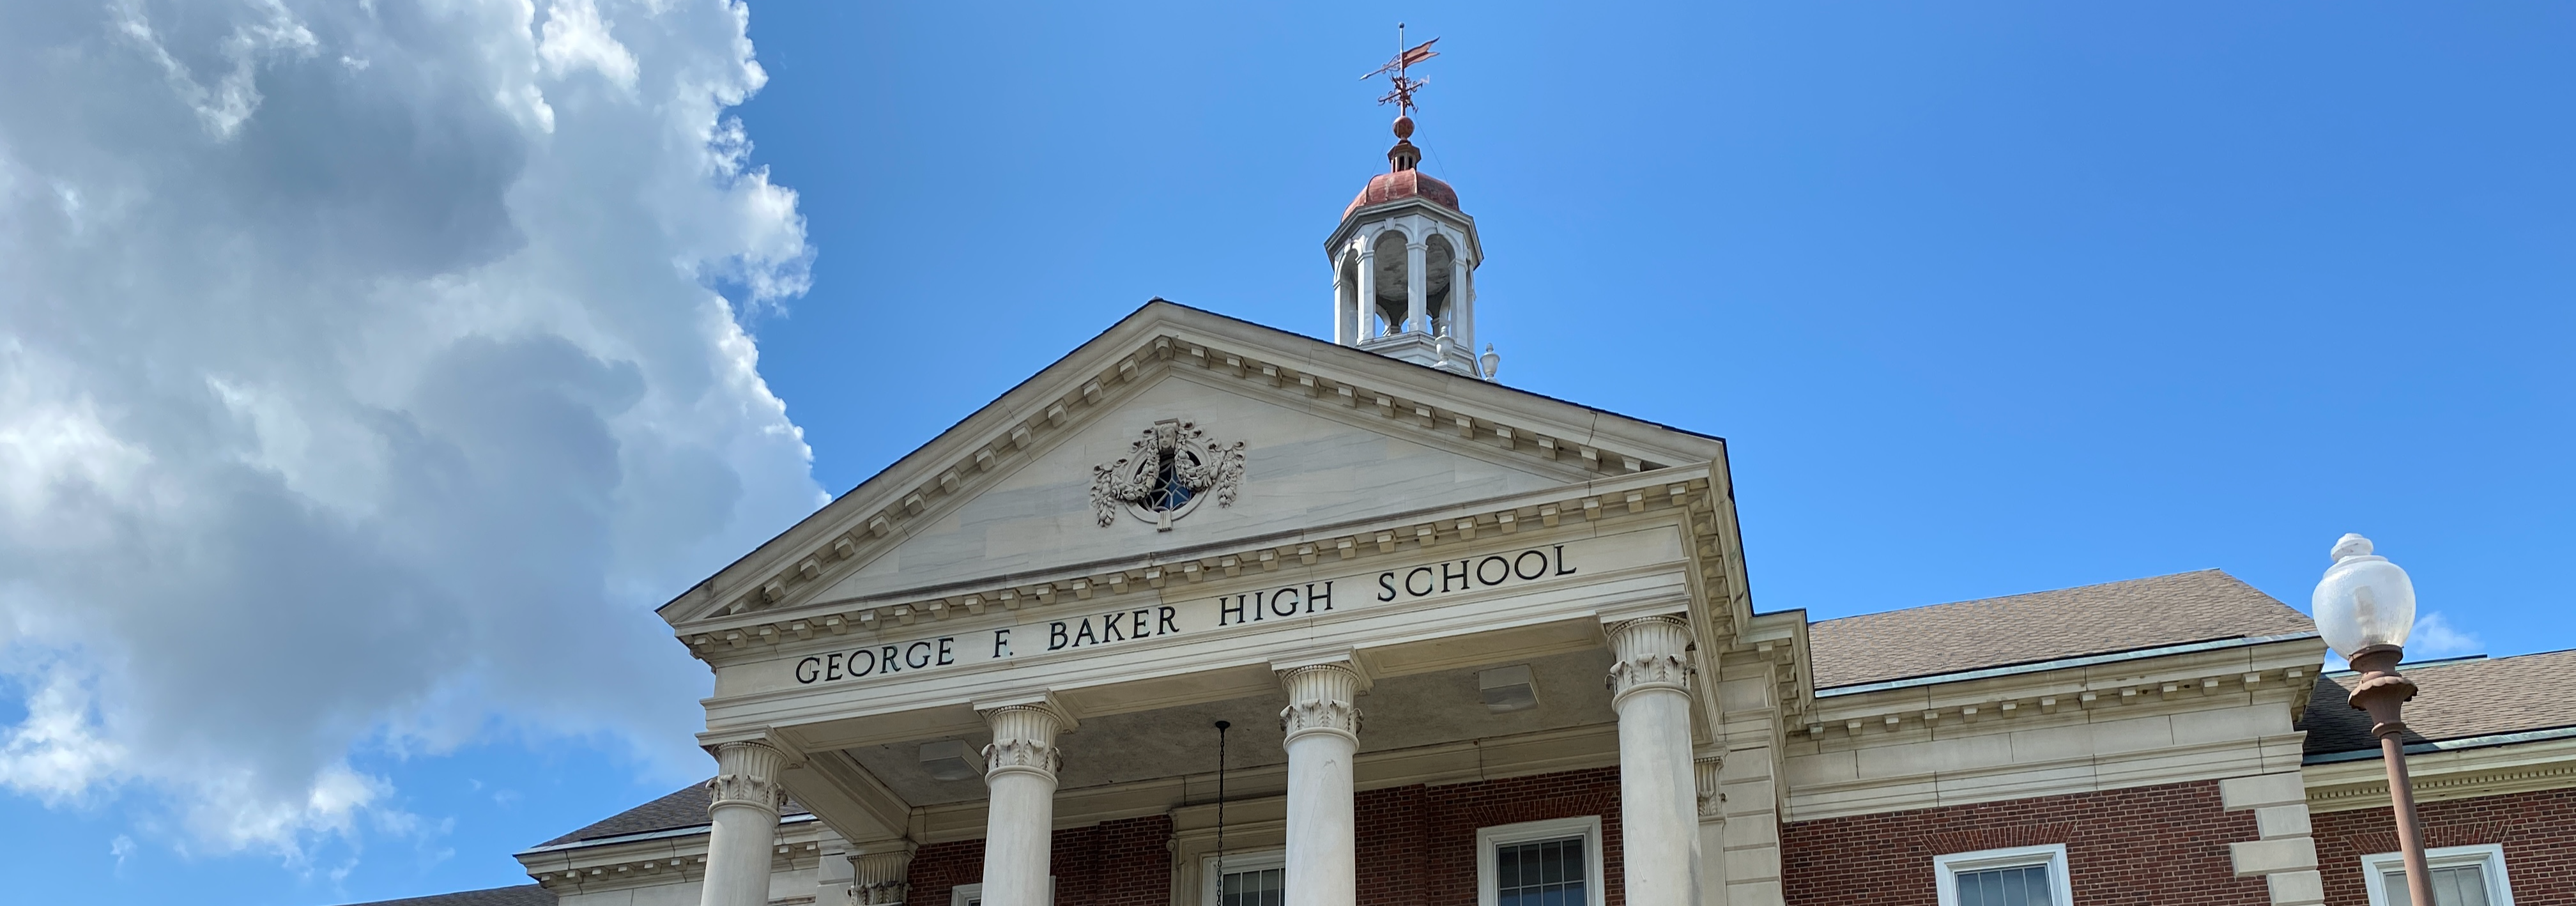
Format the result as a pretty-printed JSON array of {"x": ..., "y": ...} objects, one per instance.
[
  {"x": 522, "y": 895},
  {"x": 2045, "y": 626},
  {"x": 2459, "y": 699},
  {"x": 684, "y": 807}
]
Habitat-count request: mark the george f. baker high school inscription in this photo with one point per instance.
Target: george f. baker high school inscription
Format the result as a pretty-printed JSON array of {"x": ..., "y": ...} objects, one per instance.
[{"x": 1282, "y": 603}]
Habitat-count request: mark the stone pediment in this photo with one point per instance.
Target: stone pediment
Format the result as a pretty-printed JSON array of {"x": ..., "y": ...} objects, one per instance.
[{"x": 1328, "y": 435}]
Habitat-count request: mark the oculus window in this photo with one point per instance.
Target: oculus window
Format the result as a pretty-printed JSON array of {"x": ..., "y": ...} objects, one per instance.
[{"x": 2020, "y": 876}]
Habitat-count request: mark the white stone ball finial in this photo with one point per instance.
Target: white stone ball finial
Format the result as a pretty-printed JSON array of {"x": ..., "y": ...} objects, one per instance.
[{"x": 2351, "y": 545}]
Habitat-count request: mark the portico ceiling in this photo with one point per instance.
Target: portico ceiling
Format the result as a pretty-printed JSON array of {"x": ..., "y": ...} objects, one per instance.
[{"x": 1399, "y": 713}]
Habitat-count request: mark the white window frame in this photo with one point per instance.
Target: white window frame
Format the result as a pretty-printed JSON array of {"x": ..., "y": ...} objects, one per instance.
[
  {"x": 963, "y": 894},
  {"x": 2376, "y": 866},
  {"x": 1587, "y": 826},
  {"x": 1211, "y": 882},
  {"x": 1946, "y": 869}
]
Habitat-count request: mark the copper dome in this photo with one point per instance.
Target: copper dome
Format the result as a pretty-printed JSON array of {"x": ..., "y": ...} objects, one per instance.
[{"x": 1402, "y": 184}]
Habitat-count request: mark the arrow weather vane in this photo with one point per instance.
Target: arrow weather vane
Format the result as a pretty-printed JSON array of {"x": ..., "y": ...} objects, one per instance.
[{"x": 1394, "y": 70}]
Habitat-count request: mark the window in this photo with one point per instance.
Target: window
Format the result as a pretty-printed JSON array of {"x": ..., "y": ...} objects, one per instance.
[
  {"x": 973, "y": 894},
  {"x": 1249, "y": 879},
  {"x": 2462, "y": 876},
  {"x": 2020, "y": 876},
  {"x": 1540, "y": 863}
]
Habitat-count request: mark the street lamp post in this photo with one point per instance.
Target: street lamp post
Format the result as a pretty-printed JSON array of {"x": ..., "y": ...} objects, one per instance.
[{"x": 2365, "y": 606}]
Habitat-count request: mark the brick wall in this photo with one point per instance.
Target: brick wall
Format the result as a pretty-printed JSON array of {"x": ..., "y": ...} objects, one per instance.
[
  {"x": 2149, "y": 846},
  {"x": 2538, "y": 831},
  {"x": 1416, "y": 845},
  {"x": 940, "y": 866},
  {"x": 1114, "y": 863}
]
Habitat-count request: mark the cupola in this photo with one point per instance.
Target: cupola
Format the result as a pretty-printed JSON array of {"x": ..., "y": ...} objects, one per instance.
[{"x": 1404, "y": 258}]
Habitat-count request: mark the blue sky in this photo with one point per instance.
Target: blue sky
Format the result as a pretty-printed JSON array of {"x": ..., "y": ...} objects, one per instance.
[{"x": 1986, "y": 297}]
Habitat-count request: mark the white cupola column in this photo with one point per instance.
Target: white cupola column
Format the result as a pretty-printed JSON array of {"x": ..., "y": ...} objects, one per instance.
[
  {"x": 744, "y": 824},
  {"x": 1462, "y": 304},
  {"x": 1019, "y": 822},
  {"x": 1368, "y": 288},
  {"x": 1322, "y": 725},
  {"x": 1658, "y": 793},
  {"x": 1417, "y": 288},
  {"x": 1345, "y": 304}
]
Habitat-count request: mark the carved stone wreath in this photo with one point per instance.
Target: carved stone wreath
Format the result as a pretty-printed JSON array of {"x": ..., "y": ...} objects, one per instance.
[{"x": 1172, "y": 468}]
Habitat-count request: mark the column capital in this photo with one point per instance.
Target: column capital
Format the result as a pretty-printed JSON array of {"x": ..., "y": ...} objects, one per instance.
[
  {"x": 880, "y": 872},
  {"x": 1712, "y": 803},
  {"x": 747, "y": 774},
  {"x": 1652, "y": 654},
  {"x": 1024, "y": 734},
  {"x": 1321, "y": 698}
]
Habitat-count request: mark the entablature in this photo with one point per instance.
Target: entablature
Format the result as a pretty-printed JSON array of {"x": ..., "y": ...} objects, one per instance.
[
  {"x": 1483, "y": 600},
  {"x": 2494, "y": 766},
  {"x": 656, "y": 858},
  {"x": 1572, "y": 512},
  {"x": 2169, "y": 678}
]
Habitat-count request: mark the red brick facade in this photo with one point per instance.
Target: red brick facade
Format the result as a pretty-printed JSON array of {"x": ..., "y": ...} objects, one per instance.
[
  {"x": 1417, "y": 845},
  {"x": 1113, "y": 863},
  {"x": 2150, "y": 846},
  {"x": 2153, "y": 845},
  {"x": 2535, "y": 829}
]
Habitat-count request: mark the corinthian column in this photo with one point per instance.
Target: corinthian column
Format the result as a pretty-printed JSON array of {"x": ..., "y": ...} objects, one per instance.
[
  {"x": 744, "y": 816},
  {"x": 1658, "y": 797},
  {"x": 1323, "y": 733},
  {"x": 1020, "y": 769}
]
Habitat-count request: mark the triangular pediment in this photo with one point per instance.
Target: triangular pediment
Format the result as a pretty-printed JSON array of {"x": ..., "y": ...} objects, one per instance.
[{"x": 1330, "y": 436}]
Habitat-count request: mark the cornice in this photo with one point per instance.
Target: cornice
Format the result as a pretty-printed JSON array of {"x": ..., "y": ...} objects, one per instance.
[
  {"x": 2546, "y": 764},
  {"x": 1349, "y": 226},
  {"x": 673, "y": 856},
  {"x": 2178, "y": 678},
  {"x": 1048, "y": 408}
]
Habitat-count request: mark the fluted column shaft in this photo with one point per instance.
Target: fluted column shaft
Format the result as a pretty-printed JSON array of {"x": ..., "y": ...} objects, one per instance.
[
  {"x": 1658, "y": 798},
  {"x": 1020, "y": 769},
  {"x": 1322, "y": 723},
  {"x": 744, "y": 819}
]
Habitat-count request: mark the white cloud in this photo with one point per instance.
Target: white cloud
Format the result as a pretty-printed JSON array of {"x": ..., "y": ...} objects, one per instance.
[
  {"x": 363, "y": 385},
  {"x": 2434, "y": 636},
  {"x": 574, "y": 37}
]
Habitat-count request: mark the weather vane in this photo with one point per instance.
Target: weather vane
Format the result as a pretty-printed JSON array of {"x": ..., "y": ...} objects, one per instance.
[{"x": 1394, "y": 70}]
